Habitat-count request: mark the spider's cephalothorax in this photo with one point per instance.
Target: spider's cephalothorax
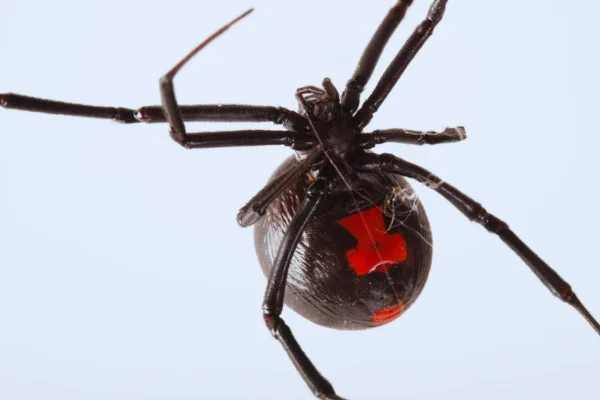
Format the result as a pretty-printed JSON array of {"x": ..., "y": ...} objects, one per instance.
[
  {"x": 318, "y": 104},
  {"x": 332, "y": 126},
  {"x": 339, "y": 232}
]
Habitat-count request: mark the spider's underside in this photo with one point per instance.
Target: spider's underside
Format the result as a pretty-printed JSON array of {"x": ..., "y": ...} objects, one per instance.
[{"x": 327, "y": 133}]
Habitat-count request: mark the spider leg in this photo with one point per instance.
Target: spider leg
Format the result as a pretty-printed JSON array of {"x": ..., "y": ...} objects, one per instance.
[
  {"x": 273, "y": 300},
  {"x": 174, "y": 116},
  {"x": 227, "y": 113},
  {"x": 449, "y": 135},
  {"x": 256, "y": 207},
  {"x": 36, "y": 104},
  {"x": 400, "y": 63},
  {"x": 475, "y": 212},
  {"x": 235, "y": 113},
  {"x": 167, "y": 90},
  {"x": 152, "y": 114},
  {"x": 203, "y": 140},
  {"x": 371, "y": 54}
]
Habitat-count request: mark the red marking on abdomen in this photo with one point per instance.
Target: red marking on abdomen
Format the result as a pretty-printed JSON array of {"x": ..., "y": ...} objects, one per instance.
[
  {"x": 376, "y": 250},
  {"x": 387, "y": 314}
]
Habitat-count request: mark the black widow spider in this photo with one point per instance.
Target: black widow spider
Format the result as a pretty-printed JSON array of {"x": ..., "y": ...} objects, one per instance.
[{"x": 365, "y": 228}]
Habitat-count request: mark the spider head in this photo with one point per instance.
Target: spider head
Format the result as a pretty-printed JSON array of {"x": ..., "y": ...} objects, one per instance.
[{"x": 319, "y": 104}]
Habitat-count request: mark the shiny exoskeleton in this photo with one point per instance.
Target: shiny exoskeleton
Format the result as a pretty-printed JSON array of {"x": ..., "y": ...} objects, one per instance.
[
  {"x": 340, "y": 234},
  {"x": 361, "y": 261}
]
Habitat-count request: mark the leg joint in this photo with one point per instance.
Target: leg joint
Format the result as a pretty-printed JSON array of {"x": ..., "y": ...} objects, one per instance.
[
  {"x": 125, "y": 115},
  {"x": 436, "y": 12},
  {"x": 566, "y": 294},
  {"x": 489, "y": 221},
  {"x": 180, "y": 138},
  {"x": 290, "y": 119},
  {"x": 273, "y": 323},
  {"x": 356, "y": 84}
]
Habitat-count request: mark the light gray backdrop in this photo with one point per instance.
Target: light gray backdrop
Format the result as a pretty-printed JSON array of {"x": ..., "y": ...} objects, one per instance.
[{"x": 123, "y": 274}]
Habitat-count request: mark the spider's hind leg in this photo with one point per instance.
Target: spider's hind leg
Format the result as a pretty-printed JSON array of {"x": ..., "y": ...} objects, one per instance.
[
  {"x": 477, "y": 213},
  {"x": 274, "y": 295}
]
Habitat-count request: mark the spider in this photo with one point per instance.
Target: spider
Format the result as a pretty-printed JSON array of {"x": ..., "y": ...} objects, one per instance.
[{"x": 339, "y": 231}]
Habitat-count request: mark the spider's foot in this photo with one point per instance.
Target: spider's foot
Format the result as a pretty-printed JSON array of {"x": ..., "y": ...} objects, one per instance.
[
  {"x": 448, "y": 135},
  {"x": 248, "y": 216},
  {"x": 13, "y": 100},
  {"x": 4, "y": 99},
  {"x": 459, "y": 133}
]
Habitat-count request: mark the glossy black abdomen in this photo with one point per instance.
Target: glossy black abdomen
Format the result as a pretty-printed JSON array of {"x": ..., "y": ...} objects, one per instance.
[{"x": 364, "y": 257}]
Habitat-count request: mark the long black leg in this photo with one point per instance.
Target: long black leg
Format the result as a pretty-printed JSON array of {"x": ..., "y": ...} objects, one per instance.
[
  {"x": 167, "y": 90},
  {"x": 228, "y": 113},
  {"x": 475, "y": 212},
  {"x": 273, "y": 301},
  {"x": 256, "y": 207},
  {"x": 193, "y": 141},
  {"x": 35, "y": 104},
  {"x": 399, "y": 64},
  {"x": 449, "y": 135},
  {"x": 174, "y": 115},
  {"x": 371, "y": 54},
  {"x": 203, "y": 140},
  {"x": 152, "y": 114}
]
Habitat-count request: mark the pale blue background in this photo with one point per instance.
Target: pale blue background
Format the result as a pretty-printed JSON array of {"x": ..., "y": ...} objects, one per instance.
[{"x": 123, "y": 274}]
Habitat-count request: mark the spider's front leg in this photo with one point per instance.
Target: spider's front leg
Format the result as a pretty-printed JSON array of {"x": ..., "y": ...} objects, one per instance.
[
  {"x": 399, "y": 64},
  {"x": 175, "y": 114},
  {"x": 476, "y": 212},
  {"x": 297, "y": 138},
  {"x": 371, "y": 54},
  {"x": 273, "y": 301},
  {"x": 17, "y": 101}
]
